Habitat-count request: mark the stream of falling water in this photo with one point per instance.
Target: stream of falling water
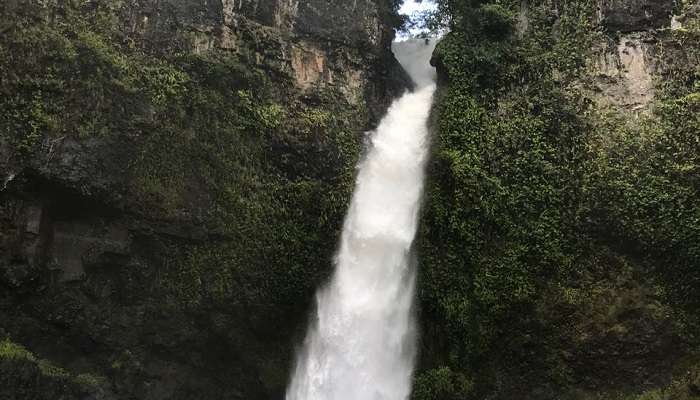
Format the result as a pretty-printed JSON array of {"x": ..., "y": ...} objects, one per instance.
[{"x": 361, "y": 345}]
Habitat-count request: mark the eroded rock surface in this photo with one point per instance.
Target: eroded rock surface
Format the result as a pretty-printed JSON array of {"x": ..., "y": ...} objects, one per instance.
[
  {"x": 625, "y": 73},
  {"x": 171, "y": 195},
  {"x": 636, "y": 15}
]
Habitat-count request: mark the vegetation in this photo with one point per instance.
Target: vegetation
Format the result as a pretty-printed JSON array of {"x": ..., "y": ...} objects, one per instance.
[
  {"x": 533, "y": 191},
  {"x": 217, "y": 142},
  {"x": 558, "y": 235},
  {"x": 23, "y": 375},
  {"x": 207, "y": 125}
]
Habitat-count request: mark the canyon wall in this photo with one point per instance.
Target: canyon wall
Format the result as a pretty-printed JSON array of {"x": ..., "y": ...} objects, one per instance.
[{"x": 173, "y": 177}]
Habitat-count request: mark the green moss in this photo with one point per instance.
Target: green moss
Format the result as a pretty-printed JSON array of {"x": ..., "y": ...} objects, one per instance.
[
  {"x": 12, "y": 351},
  {"x": 212, "y": 144},
  {"x": 646, "y": 176},
  {"x": 51, "y": 370},
  {"x": 24, "y": 374},
  {"x": 685, "y": 386},
  {"x": 216, "y": 142},
  {"x": 442, "y": 384},
  {"x": 89, "y": 380},
  {"x": 533, "y": 191}
]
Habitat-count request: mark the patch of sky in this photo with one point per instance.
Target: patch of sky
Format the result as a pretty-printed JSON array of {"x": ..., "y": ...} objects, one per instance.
[{"x": 413, "y": 9}]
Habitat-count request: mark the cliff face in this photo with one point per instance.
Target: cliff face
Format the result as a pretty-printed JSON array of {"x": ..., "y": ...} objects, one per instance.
[
  {"x": 635, "y": 15},
  {"x": 628, "y": 66},
  {"x": 559, "y": 246},
  {"x": 173, "y": 176}
]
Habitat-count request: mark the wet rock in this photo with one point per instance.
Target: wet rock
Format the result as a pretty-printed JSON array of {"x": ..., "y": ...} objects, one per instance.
[
  {"x": 79, "y": 244},
  {"x": 16, "y": 275},
  {"x": 91, "y": 166},
  {"x": 108, "y": 269},
  {"x": 694, "y": 385},
  {"x": 21, "y": 241},
  {"x": 636, "y": 15}
]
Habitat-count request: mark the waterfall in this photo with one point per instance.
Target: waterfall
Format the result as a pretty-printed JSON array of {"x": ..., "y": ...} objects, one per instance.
[{"x": 361, "y": 345}]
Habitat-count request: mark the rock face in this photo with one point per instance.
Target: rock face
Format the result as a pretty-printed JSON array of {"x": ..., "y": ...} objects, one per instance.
[
  {"x": 636, "y": 15},
  {"x": 627, "y": 66},
  {"x": 624, "y": 72},
  {"x": 556, "y": 259},
  {"x": 302, "y": 36},
  {"x": 172, "y": 191}
]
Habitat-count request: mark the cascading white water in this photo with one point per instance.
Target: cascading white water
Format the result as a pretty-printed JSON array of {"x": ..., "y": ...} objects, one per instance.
[{"x": 361, "y": 346}]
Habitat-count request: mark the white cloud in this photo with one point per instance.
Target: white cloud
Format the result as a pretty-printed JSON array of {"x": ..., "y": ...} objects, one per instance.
[{"x": 411, "y": 6}]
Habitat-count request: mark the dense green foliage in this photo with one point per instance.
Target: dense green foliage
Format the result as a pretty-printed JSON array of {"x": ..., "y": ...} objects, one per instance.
[
  {"x": 647, "y": 176},
  {"x": 24, "y": 376},
  {"x": 542, "y": 207}
]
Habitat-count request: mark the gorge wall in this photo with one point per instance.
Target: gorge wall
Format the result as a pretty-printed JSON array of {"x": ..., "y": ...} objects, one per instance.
[
  {"x": 174, "y": 174},
  {"x": 559, "y": 246},
  {"x": 173, "y": 177}
]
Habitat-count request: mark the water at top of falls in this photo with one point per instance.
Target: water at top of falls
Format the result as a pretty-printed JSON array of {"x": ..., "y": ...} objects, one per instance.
[
  {"x": 414, "y": 55},
  {"x": 361, "y": 345}
]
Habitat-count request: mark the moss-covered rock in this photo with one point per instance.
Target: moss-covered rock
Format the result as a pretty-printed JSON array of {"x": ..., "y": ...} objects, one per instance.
[
  {"x": 558, "y": 246},
  {"x": 24, "y": 376},
  {"x": 173, "y": 178}
]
